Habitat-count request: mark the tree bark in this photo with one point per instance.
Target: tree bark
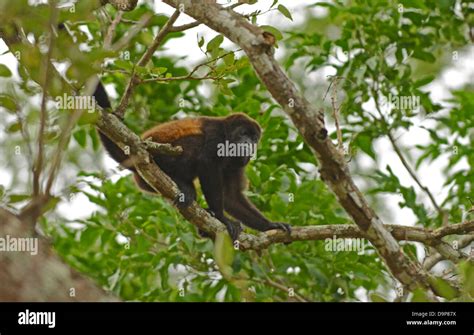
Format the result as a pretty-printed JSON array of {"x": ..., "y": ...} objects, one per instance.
[{"x": 43, "y": 276}]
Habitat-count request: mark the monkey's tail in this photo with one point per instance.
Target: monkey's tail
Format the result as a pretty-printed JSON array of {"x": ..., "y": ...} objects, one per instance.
[{"x": 100, "y": 96}]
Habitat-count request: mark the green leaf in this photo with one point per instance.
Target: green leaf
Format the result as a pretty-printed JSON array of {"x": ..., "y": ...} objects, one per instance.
[
  {"x": 201, "y": 42},
  {"x": 14, "y": 198},
  {"x": 467, "y": 273},
  {"x": 5, "y": 71},
  {"x": 282, "y": 9},
  {"x": 424, "y": 56},
  {"x": 229, "y": 59},
  {"x": 141, "y": 70},
  {"x": 224, "y": 253},
  {"x": 52, "y": 203},
  {"x": 424, "y": 81},
  {"x": 159, "y": 70},
  {"x": 123, "y": 64},
  {"x": 215, "y": 43},
  {"x": 272, "y": 30},
  {"x": 375, "y": 297},
  {"x": 94, "y": 138},
  {"x": 8, "y": 103},
  {"x": 15, "y": 127},
  {"x": 364, "y": 142},
  {"x": 88, "y": 117},
  {"x": 80, "y": 137},
  {"x": 419, "y": 295},
  {"x": 443, "y": 288}
]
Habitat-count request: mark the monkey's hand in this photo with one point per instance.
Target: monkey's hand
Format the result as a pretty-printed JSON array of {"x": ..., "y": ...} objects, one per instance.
[{"x": 281, "y": 226}]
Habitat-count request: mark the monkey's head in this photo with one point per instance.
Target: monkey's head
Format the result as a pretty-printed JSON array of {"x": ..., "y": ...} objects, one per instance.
[{"x": 245, "y": 133}]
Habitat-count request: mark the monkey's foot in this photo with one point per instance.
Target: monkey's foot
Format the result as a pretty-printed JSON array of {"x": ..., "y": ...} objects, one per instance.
[
  {"x": 234, "y": 228},
  {"x": 281, "y": 226},
  {"x": 204, "y": 234},
  {"x": 211, "y": 213}
]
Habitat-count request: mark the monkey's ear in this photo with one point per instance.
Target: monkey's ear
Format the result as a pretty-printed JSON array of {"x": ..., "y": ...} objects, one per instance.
[{"x": 236, "y": 116}]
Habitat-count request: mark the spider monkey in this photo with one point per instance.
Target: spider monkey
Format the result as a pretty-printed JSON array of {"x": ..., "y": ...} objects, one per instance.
[{"x": 222, "y": 178}]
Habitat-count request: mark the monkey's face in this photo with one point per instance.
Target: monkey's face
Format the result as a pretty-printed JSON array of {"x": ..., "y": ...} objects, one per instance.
[{"x": 244, "y": 135}]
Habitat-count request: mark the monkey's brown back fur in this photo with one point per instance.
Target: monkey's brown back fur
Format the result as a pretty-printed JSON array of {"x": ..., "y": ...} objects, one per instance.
[{"x": 171, "y": 131}]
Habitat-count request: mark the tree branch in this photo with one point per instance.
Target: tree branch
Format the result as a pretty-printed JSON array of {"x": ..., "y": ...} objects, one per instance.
[
  {"x": 46, "y": 66},
  {"x": 132, "y": 32},
  {"x": 185, "y": 27},
  {"x": 435, "y": 258}
]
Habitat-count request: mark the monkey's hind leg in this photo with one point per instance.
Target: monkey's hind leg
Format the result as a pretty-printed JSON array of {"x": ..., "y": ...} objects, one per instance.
[{"x": 187, "y": 193}]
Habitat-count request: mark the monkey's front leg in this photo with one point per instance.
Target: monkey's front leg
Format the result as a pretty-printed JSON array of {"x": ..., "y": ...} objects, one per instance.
[{"x": 210, "y": 177}]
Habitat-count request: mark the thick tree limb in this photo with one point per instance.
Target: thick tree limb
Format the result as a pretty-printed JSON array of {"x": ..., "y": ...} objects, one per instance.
[
  {"x": 40, "y": 276},
  {"x": 310, "y": 123}
]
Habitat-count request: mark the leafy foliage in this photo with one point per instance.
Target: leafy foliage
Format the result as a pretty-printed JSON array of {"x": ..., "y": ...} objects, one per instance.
[{"x": 139, "y": 247}]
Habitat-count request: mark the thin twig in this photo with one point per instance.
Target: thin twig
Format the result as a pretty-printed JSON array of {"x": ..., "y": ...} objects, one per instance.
[
  {"x": 125, "y": 40},
  {"x": 26, "y": 136},
  {"x": 164, "y": 79},
  {"x": 111, "y": 31},
  {"x": 120, "y": 111},
  {"x": 158, "y": 39},
  {"x": 335, "y": 111},
  {"x": 43, "y": 113},
  {"x": 185, "y": 26},
  {"x": 193, "y": 71}
]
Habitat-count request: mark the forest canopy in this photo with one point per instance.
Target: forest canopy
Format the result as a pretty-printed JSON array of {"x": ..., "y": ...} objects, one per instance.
[{"x": 367, "y": 149}]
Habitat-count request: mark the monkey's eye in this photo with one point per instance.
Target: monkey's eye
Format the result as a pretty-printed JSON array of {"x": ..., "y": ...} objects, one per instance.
[{"x": 243, "y": 132}]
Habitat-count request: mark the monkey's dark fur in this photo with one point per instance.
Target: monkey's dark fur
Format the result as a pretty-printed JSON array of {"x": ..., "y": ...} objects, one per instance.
[{"x": 222, "y": 179}]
